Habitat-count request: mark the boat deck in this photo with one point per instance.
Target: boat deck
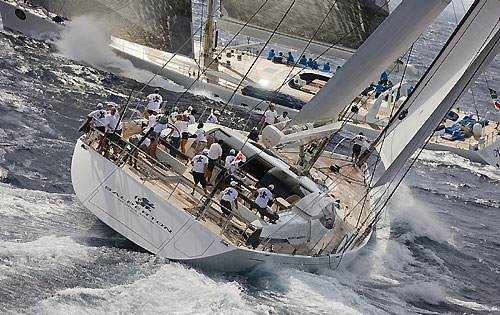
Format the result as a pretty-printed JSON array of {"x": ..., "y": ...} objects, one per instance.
[{"x": 348, "y": 185}]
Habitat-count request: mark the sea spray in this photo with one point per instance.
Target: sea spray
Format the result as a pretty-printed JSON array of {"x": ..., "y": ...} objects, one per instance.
[{"x": 86, "y": 39}]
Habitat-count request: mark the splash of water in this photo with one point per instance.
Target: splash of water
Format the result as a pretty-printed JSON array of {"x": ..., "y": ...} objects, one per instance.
[{"x": 86, "y": 40}]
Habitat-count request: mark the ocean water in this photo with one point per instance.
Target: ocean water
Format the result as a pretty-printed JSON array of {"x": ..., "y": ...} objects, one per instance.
[{"x": 436, "y": 252}]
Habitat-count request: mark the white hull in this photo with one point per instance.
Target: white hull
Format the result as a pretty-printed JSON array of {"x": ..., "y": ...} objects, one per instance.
[
  {"x": 25, "y": 22},
  {"x": 158, "y": 226}
]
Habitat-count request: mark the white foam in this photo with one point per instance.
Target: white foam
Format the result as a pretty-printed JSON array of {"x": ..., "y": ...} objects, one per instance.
[
  {"x": 474, "y": 305},
  {"x": 23, "y": 202},
  {"x": 173, "y": 289},
  {"x": 418, "y": 215},
  {"x": 48, "y": 252},
  {"x": 429, "y": 292},
  {"x": 86, "y": 40},
  {"x": 434, "y": 158}
]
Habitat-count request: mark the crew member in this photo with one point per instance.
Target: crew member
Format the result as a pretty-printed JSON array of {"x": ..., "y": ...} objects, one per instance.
[
  {"x": 254, "y": 134},
  {"x": 154, "y": 102},
  {"x": 226, "y": 172},
  {"x": 264, "y": 197},
  {"x": 213, "y": 118},
  {"x": 201, "y": 139},
  {"x": 271, "y": 55},
  {"x": 310, "y": 62},
  {"x": 270, "y": 116},
  {"x": 99, "y": 116},
  {"x": 303, "y": 60},
  {"x": 173, "y": 116},
  {"x": 326, "y": 67},
  {"x": 359, "y": 141},
  {"x": 113, "y": 129},
  {"x": 283, "y": 117},
  {"x": 290, "y": 58},
  {"x": 229, "y": 197},
  {"x": 383, "y": 78},
  {"x": 214, "y": 155},
  {"x": 144, "y": 146},
  {"x": 199, "y": 164},
  {"x": 315, "y": 65}
]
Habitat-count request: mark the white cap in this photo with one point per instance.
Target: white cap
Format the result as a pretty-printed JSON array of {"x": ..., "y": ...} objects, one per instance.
[
  {"x": 271, "y": 186},
  {"x": 216, "y": 112},
  {"x": 232, "y": 151},
  {"x": 112, "y": 104},
  {"x": 233, "y": 183},
  {"x": 176, "y": 109},
  {"x": 205, "y": 151},
  {"x": 190, "y": 108},
  {"x": 100, "y": 106}
]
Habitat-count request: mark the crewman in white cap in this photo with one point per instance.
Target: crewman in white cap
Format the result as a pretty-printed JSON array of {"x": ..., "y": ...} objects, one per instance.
[
  {"x": 264, "y": 197},
  {"x": 99, "y": 116},
  {"x": 213, "y": 118},
  {"x": 229, "y": 198}
]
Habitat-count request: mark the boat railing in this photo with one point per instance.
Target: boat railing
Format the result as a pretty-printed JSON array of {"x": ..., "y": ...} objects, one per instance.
[{"x": 171, "y": 184}]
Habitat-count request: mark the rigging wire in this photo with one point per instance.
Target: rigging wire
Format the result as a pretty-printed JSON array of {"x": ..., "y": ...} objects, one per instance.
[
  {"x": 257, "y": 57},
  {"x": 220, "y": 53}
]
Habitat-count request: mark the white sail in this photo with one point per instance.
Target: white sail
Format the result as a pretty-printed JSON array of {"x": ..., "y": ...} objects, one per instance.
[
  {"x": 377, "y": 53},
  {"x": 473, "y": 45}
]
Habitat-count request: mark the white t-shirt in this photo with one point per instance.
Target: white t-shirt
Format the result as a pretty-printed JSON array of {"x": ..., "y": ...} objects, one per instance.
[
  {"x": 200, "y": 135},
  {"x": 199, "y": 162},
  {"x": 229, "y": 160},
  {"x": 281, "y": 118},
  {"x": 146, "y": 141},
  {"x": 270, "y": 116},
  {"x": 229, "y": 194},
  {"x": 159, "y": 127},
  {"x": 154, "y": 101},
  {"x": 191, "y": 119},
  {"x": 173, "y": 117},
  {"x": 99, "y": 116},
  {"x": 360, "y": 140},
  {"x": 112, "y": 120},
  {"x": 215, "y": 151},
  {"x": 212, "y": 119},
  {"x": 180, "y": 126},
  {"x": 263, "y": 197}
]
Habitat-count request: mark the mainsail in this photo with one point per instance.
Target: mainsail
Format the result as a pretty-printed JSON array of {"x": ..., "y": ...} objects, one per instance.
[
  {"x": 163, "y": 25},
  {"x": 473, "y": 45},
  {"x": 348, "y": 25},
  {"x": 377, "y": 53}
]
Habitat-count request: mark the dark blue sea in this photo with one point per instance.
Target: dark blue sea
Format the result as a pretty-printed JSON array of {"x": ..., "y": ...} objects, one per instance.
[{"x": 438, "y": 251}]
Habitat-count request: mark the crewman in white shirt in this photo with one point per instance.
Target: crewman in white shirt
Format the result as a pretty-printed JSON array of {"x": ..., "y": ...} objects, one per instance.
[
  {"x": 359, "y": 142},
  {"x": 264, "y": 196},
  {"x": 201, "y": 139},
  {"x": 283, "y": 117},
  {"x": 199, "y": 164},
  {"x": 154, "y": 102},
  {"x": 229, "y": 198},
  {"x": 214, "y": 155},
  {"x": 270, "y": 116},
  {"x": 99, "y": 116},
  {"x": 213, "y": 118}
]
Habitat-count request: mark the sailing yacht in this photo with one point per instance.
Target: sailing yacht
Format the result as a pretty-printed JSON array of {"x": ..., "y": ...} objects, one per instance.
[{"x": 327, "y": 207}]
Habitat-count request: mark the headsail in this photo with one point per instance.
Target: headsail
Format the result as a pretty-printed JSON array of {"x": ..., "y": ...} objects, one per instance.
[
  {"x": 348, "y": 25},
  {"x": 473, "y": 45},
  {"x": 377, "y": 53}
]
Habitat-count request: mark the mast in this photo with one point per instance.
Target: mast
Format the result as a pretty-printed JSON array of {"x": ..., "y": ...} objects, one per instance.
[{"x": 208, "y": 36}]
